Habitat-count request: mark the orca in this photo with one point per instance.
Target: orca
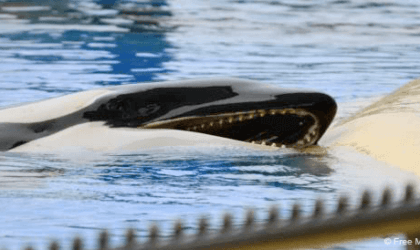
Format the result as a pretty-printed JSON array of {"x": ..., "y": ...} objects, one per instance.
[
  {"x": 232, "y": 109},
  {"x": 387, "y": 130}
]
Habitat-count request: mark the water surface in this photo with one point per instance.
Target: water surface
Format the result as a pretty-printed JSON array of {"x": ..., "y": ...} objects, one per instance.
[{"x": 353, "y": 50}]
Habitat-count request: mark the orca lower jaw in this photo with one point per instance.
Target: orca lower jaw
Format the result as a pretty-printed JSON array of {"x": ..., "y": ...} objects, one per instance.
[{"x": 284, "y": 128}]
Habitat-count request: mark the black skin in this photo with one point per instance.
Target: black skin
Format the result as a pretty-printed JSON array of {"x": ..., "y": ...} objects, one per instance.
[{"x": 140, "y": 104}]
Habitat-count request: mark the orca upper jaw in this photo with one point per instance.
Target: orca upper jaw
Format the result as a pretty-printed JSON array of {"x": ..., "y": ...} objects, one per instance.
[{"x": 290, "y": 120}]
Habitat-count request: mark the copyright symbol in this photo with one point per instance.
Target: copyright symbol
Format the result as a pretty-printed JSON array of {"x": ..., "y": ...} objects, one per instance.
[{"x": 387, "y": 241}]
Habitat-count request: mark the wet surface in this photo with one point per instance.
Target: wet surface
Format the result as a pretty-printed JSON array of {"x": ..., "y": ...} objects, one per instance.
[{"x": 353, "y": 50}]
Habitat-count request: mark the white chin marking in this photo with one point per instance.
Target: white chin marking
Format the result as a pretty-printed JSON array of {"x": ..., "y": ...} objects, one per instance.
[{"x": 95, "y": 136}]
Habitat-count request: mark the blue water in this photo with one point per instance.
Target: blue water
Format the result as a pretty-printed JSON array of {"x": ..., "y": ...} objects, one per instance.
[{"x": 353, "y": 50}]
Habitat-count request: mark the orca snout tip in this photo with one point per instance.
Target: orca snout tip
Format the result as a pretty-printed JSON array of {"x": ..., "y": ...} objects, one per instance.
[{"x": 324, "y": 107}]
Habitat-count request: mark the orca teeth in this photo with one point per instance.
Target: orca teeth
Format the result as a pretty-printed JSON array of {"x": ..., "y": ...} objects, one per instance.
[
  {"x": 231, "y": 119},
  {"x": 272, "y": 138}
]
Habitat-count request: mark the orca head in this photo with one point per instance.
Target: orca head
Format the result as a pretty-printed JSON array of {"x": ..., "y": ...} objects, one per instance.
[{"x": 237, "y": 109}]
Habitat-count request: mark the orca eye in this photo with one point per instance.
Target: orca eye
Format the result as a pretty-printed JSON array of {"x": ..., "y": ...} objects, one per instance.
[{"x": 149, "y": 109}]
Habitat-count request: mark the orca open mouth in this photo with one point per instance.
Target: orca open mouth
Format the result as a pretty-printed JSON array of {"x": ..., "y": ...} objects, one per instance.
[{"x": 284, "y": 128}]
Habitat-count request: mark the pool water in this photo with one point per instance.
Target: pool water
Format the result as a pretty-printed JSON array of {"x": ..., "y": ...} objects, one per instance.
[{"x": 353, "y": 50}]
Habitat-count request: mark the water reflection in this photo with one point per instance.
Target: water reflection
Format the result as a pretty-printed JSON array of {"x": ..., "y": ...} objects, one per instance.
[
  {"x": 291, "y": 172},
  {"x": 45, "y": 54},
  {"x": 29, "y": 172},
  {"x": 132, "y": 187}
]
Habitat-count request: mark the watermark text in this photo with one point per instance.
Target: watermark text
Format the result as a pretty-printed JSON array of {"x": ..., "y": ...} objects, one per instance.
[{"x": 402, "y": 242}]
